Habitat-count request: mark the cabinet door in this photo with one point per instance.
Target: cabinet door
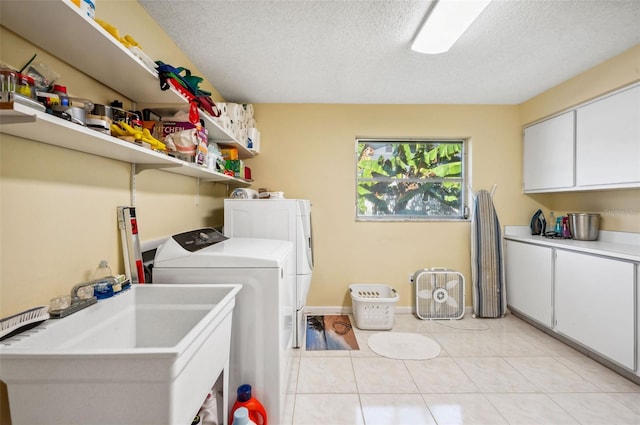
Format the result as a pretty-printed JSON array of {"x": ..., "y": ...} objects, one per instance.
[
  {"x": 594, "y": 304},
  {"x": 549, "y": 154},
  {"x": 529, "y": 275},
  {"x": 608, "y": 140}
]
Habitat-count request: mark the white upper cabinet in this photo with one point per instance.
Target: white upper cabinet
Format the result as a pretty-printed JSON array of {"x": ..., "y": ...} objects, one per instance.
[
  {"x": 608, "y": 135},
  {"x": 591, "y": 147},
  {"x": 549, "y": 154}
]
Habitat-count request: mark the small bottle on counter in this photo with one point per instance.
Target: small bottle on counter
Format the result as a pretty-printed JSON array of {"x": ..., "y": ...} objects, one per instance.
[
  {"x": 558, "y": 229},
  {"x": 103, "y": 288},
  {"x": 565, "y": 228}
]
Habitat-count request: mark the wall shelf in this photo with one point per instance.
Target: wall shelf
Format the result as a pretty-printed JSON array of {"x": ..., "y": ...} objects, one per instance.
[
  {"x": 84, "y": 44},
  {"x": 102, "y": 57},
  {"x": 26, "y": 122}
]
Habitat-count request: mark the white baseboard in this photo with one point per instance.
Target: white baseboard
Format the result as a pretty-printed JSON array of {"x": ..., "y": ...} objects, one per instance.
[{"x": 319, "y": 310}]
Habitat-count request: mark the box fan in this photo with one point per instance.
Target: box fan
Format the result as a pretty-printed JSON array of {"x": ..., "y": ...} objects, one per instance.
[{"x": 439, "y": 294}]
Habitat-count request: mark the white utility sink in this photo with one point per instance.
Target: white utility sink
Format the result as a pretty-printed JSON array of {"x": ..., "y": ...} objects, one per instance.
[{"x": 148, "y": 355}]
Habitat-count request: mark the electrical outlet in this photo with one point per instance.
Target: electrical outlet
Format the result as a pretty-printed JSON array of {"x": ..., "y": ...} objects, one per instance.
[{"x": 410, "y": 277}]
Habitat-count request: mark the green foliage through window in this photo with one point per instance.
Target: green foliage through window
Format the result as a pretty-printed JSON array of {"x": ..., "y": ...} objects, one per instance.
[{"x": 409, "y": 179}]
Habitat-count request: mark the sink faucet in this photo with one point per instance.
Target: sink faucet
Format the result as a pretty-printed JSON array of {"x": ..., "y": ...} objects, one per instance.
[{"x": 77, "y": 287}]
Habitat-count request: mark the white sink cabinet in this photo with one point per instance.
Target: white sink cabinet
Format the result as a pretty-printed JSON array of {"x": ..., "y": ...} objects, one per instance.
[{"x": 148, "y": 355}]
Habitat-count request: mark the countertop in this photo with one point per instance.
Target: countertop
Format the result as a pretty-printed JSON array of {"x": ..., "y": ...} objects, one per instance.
[{"x": 619, "y": 245}]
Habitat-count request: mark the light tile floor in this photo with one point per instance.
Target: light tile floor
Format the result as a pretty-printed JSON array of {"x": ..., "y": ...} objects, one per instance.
[{"x": 496, "y": 371}]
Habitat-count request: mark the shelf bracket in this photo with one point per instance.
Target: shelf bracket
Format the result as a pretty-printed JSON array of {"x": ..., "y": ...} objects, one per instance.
[
  {"x": 197, "y": 191},
  {"x": 133, "y": 185},
  {"x": 141, "y": 167}
]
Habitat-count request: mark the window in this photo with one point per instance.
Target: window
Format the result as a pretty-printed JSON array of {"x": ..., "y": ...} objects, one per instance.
[{"x": 410, "y": 180}]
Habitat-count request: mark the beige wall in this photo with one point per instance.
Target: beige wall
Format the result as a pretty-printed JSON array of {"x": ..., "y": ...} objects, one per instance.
[{"x": 309, "y": 152}]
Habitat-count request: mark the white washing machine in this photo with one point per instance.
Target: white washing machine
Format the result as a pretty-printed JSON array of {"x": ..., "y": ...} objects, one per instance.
[
  {"x": 282, "y": 219},
  {"x": 262, "y": 323}
]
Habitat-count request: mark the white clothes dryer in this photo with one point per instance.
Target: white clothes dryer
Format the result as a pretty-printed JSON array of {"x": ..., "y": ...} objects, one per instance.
[
  {"x": 281, "y": 219},
  {"x": 262, "y": 323}
]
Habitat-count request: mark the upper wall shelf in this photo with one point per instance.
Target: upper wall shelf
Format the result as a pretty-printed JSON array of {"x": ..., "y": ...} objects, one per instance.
[
  {"x": 24, "y": 121},
  {"x": 85, "y": 45}
]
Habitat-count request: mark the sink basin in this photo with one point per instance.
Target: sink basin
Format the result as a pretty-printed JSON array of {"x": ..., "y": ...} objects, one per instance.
[{"x": 148, "y": 355}]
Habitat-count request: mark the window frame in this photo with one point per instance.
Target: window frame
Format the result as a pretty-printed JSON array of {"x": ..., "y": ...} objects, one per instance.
[{"x": 463, "y": 178}]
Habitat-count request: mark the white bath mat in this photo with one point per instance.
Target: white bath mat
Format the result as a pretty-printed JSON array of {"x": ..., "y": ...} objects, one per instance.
[{"x": 404, "y": 346}]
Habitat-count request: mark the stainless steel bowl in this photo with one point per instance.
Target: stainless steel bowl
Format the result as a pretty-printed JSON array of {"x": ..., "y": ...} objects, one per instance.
[{"x": 584, "y": 226}]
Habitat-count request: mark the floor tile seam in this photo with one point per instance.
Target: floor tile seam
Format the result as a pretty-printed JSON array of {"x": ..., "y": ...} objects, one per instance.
[
  {"x": 327, "y": 393},
  {"x": 475, "y": 384},
  {"x": 568, "y": 368},
  {"x": 507, "y": 363},
  {"x": 619, "y": 405},
  {"x": 426, "y": 405},
  {"x": 582, "y": 372},
  {"x": 483, "y": 395},
  {"x": 417, "y": 389},
  {"x": 543, "y": 394}
]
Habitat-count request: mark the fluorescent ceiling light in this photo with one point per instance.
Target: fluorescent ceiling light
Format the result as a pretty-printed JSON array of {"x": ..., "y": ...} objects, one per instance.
[{"x": 446, "y": 22}]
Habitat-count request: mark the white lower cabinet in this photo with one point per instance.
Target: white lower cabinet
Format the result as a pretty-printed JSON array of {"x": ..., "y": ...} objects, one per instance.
[
  {"x": 529, "y": 275},
  {"x": 595, "y": 304}
]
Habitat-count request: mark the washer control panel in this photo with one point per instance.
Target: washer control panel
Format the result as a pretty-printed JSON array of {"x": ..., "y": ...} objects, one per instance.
[{"x": 195, "y": 240}]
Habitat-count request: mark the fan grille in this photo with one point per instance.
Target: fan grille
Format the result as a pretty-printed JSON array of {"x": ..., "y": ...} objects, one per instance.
[{"x": 439, "y": 294}]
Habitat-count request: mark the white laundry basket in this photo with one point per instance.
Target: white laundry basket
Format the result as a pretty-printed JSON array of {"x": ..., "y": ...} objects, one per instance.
[{"x": 373, "y": 305}]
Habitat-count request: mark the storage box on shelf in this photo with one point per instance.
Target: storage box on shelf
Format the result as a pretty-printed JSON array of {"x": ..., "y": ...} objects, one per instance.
[
  {"x": 216, "y": 133},
  {"x": 109, "y": 62}
]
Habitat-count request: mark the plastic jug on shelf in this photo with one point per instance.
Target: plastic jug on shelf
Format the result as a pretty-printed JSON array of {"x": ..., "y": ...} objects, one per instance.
[{"x": 257, "y": 412}]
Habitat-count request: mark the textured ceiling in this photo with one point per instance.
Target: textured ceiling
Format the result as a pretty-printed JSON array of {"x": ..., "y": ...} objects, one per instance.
[{"x": 349, "y": 51}]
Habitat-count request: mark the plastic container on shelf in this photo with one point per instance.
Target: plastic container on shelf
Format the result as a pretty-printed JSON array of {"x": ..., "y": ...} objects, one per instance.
[
  {"x": 88, "y": 8},
  {"x": 257, "y": 412},
  {"x": 373, "y": 305},
  {"x": 7, "y": 79},
  {"x": 61, "y": 91},
  {"x": 241, "y": 417},
  {"x": 25, "y": 86}
]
